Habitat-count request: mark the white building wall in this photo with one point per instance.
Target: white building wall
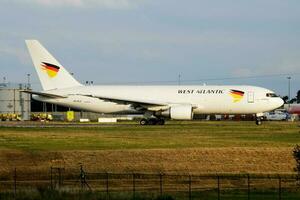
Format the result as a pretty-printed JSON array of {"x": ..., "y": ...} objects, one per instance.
[{"x": 12, "y": 101}]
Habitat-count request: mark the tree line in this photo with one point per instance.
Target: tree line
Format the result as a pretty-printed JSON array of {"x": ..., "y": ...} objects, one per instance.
[{"x": 295, "y": 99}]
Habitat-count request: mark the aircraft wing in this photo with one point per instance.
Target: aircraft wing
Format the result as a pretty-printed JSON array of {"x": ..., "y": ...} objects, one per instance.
[
  {"x": 138, "y": 104},
  {"x": 43, "y": 94}
]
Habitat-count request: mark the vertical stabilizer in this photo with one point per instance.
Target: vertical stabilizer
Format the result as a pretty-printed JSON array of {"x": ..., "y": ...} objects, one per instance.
[{"x": 50, "y": 72}]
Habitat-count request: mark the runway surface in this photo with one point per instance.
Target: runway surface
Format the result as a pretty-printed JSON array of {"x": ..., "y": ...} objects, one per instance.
[{"x": 30, "y": 124}]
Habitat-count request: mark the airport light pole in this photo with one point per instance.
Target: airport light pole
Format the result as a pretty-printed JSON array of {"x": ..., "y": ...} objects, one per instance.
[
  {"x": 289, "y": 89},
  {"x": 28, "y": 81},
  {"x": 27, "y": 117},
  {"x": 179, "y": 79}
]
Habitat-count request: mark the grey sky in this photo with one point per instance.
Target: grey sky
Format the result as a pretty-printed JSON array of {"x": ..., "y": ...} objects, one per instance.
[{"x": 121, "y": 41}]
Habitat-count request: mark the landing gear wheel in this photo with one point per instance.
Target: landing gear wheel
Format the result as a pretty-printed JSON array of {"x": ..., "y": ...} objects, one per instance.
[
  {"x": 160, "y": 122},
  {"x": 258, "y": 122},
  {"x": 152, "y": 121},
  {"x": 144, "y": 122}
]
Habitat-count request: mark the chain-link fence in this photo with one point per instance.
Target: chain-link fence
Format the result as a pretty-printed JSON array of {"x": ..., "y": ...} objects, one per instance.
[{"x": 153, "y": 185}]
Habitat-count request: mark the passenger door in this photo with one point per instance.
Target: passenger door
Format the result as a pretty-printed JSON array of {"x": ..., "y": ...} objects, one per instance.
[{"x": 250, "y": 97}]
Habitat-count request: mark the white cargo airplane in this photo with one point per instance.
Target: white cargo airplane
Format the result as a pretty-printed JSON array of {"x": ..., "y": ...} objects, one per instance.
[{"x": 155, "y": 102}]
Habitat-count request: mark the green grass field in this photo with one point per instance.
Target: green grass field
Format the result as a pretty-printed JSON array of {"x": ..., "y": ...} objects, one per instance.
[
  {"x": 207, "y": 195},
  {"x": 196, "y": 147},
  {"x": 174, "y": 135},
  {"x": 180, "y": 147}
]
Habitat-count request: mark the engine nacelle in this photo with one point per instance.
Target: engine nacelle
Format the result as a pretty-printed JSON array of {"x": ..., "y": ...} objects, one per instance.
[{"x": 179, "y": 112}]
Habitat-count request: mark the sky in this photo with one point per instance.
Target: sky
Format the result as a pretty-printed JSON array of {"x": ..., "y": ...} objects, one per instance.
[{"x": 253, "y": 42}]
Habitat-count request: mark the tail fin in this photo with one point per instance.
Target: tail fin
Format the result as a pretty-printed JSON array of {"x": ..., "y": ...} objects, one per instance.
[{"x": 51, "y": 73}]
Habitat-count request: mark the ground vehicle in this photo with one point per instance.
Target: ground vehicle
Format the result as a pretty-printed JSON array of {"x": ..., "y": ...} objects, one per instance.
[{"x": 276, "y": 115}]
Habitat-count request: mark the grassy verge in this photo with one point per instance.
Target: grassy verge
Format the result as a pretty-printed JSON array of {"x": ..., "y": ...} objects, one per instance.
[
  {"x": 45, "y": 194},
  {"x": 172, "y": 136},
  {"x": 180, "y": 147}
]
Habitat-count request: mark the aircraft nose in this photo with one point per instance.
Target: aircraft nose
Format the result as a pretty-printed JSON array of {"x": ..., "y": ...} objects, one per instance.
[{"x": 280, "y": 102}]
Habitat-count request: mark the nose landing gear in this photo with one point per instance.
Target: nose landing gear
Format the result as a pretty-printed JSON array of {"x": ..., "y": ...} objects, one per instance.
[
  {"x": 259, "y": 117},
  {"x": 258, "y": 121}
]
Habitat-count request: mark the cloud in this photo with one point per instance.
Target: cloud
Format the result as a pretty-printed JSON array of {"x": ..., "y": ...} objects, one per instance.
[
  {"x": 287, "y": 65},
  {"x": 109, "y": 4},
  {"x": 15, "y": 52},
  {"x": 57, "y": 2},
  {"x": 241, "y": 71}
]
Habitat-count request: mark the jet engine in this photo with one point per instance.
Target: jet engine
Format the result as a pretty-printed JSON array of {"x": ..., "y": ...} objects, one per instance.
[{"x": 179, "y": 112}]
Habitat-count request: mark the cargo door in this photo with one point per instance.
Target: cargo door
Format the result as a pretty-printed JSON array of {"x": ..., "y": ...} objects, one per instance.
[{"x": 250, "y": 97}]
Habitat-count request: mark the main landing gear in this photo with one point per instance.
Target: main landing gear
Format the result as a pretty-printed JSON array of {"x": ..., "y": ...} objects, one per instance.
[{"x": 152, "y": 121}]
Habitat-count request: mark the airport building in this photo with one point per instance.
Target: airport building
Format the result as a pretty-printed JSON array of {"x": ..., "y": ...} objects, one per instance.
[
  {"x": 17, "y": 105},
  {"x": 14, "y": 103}
]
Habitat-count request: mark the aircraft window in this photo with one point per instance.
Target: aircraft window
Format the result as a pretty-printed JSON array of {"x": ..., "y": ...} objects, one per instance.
[{"x": 271, "y": 95}]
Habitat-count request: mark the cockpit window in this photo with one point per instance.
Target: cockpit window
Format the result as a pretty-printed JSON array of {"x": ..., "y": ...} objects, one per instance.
[{"x": 271, "y": 95}]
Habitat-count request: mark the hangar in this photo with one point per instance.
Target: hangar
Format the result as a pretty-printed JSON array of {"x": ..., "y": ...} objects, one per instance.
[{"x": 13, "y": 102}]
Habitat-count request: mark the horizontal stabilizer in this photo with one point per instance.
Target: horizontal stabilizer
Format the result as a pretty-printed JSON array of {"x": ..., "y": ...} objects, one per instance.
[{"x": 43, "y": 94}]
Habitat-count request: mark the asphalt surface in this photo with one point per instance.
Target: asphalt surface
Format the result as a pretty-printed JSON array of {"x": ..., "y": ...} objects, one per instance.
[{"x": 37, "y": 124}]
